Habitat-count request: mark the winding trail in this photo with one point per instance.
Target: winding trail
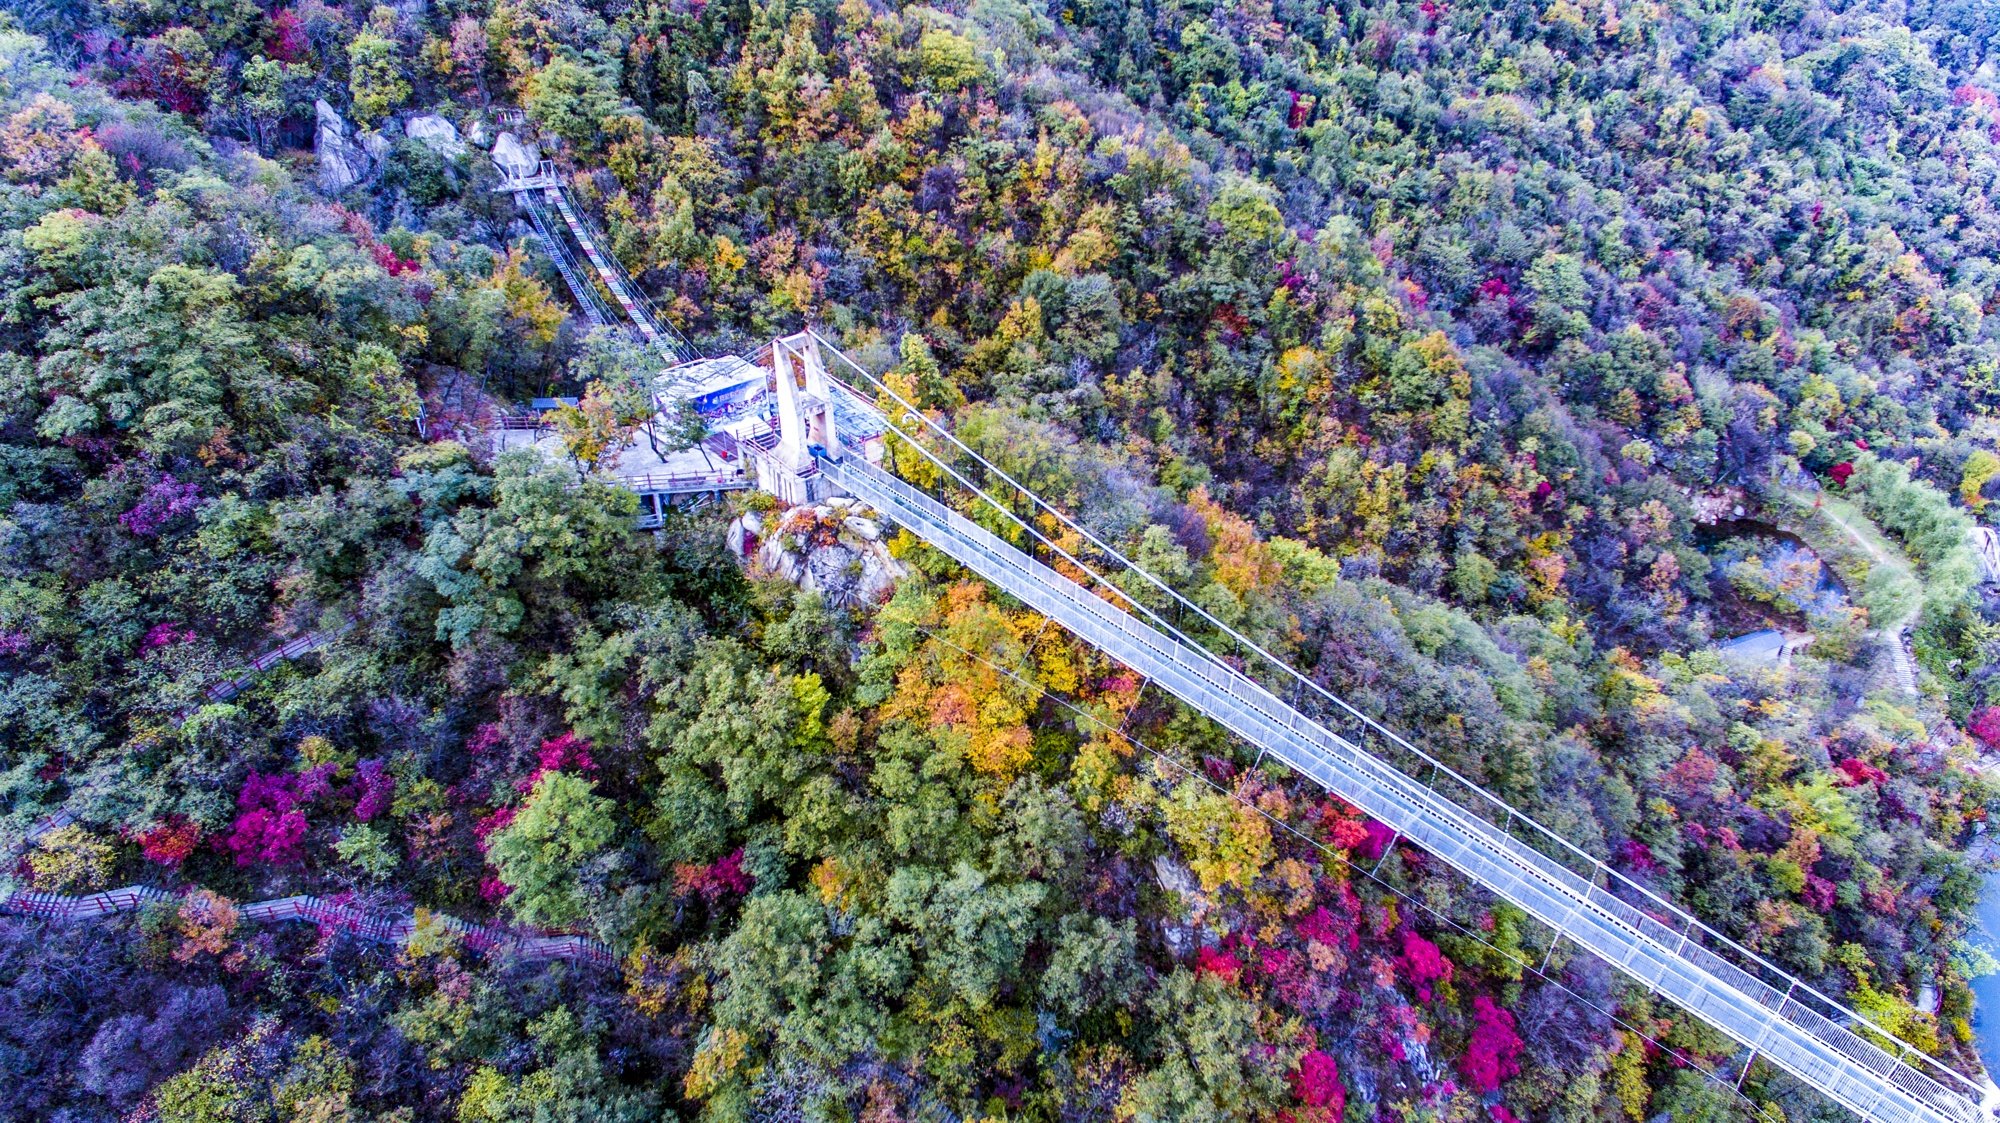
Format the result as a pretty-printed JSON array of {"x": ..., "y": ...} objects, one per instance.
[{"x": 1902, "y": 666}]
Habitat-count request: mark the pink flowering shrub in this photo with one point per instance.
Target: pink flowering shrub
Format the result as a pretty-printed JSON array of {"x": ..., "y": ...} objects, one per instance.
[{"x": 1494, "y": 1053}]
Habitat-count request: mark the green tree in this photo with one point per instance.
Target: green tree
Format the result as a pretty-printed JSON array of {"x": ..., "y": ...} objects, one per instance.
[
  {"x": 375, "y": 75},
  {"x": 570, "y": 100},
  {"x": 545, "y": 542},
  {"x": 975, "y": 931},
  {"x": 949, "y": 60},
  {"x": 563, "y": 824},
  {"x": 1207, "y": 1064}
]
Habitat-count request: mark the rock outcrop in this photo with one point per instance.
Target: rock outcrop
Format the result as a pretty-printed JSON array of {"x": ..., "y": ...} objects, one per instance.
[
  {"x": 343, "y": 161},
  {"x": 515, "y": 158},
  {"x": 436, "y": 134},
  {"x": 834, "y": 550}
]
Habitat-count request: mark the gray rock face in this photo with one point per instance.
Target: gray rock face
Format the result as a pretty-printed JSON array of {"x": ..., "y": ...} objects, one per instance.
[
  {"x": 515, "y": 158},
  {"x": 477, "y": 135},
  {"x": 436, "y": 134},
  {"x": 343, "y": 162},
  {"x": 855, "y": 569}
]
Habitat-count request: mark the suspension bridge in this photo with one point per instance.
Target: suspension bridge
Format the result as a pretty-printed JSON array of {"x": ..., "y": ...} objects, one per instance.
[{"x": 815, "y": 430}]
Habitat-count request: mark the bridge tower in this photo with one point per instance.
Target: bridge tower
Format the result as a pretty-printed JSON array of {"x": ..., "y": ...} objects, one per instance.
[
  {"x": 806, "y": 422},
  {"x": 805, "y": 400}
]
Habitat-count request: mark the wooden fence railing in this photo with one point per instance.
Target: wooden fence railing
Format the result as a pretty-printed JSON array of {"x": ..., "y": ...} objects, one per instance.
[
  {"x": 322, "y": 912},
  {"x": 311, "y": 641}
]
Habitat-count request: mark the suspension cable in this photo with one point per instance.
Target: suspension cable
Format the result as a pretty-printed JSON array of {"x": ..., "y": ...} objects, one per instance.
[
  {"x": 1896, "y": 1048},
  {"x": 1714, "y": 1074}
]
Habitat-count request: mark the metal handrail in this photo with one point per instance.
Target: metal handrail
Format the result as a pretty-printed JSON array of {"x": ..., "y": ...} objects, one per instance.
[
  {"x": 1655, "y": 954},
  {"x": 586, "y": 295},
  {"x": 1686, "y": 936},
  {"x": 650, "y": 483},
  {"x": 1691, "y": 925}
]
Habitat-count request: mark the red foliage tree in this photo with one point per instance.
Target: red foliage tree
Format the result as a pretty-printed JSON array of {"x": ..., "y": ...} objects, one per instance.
[
  {"x": 171, "y": 842},
  {"x": 1317, "y": 1084},
  {"x": 1423, "y": 964},
  {"x": 1223, "y": 965},
  {"x": 1494, "y": 1053},
  {"x": 1852, "y": 773},
  {"x": 1985, "y": 725},
  {"x": 725, "y": 877}
]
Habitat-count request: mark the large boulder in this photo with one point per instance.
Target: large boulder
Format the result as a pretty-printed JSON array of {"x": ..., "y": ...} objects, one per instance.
[
  {"x": 854, "y": 568},
  {"x": 436, "y": 134},
  {"x": 517, "y": 159},
  {"x": 343, "y": 162}
]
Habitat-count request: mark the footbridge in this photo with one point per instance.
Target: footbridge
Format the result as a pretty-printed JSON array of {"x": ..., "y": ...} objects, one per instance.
[
  {"x": 1292, "y": 718},
  {"x": 818, "y": 431}
]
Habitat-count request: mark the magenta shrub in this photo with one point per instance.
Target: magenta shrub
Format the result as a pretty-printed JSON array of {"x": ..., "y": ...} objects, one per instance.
[
  {"x": 568, "y": 752},
  {"x": 165, "y": 634},
  {"x": 1422, "y": 963},
  {"x": 1985, "y": 725},
  {"x": 271, "y": 826},
  {"x": 1494, "y": 1053},
  {"x": 373, "y": 789},
  {"x": 1317, "y": 1083},
  {"x": 160, "y": 504}
]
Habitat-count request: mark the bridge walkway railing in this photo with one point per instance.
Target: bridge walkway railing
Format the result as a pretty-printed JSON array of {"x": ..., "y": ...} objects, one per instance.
[{"x": 1789, "y": 1023}]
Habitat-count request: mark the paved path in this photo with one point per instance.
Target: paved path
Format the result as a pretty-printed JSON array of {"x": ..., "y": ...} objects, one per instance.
[{"x": 1896, "y": 633}]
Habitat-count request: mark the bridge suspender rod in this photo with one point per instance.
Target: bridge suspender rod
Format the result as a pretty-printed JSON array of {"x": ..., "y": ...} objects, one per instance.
[{"x": 1673, "y": 958}]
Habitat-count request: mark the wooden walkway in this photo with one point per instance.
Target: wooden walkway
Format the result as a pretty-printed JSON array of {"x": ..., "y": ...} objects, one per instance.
[
  {"x": 324, "y": 913},
  {"x": 312, "y": 641}
]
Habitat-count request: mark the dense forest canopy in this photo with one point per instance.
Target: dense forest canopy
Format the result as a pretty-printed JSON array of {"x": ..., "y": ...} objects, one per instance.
[{"x": 1491, "y": 362}]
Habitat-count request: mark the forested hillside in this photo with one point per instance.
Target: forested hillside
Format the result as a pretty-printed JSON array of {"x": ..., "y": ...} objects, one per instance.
[{"x": 1492, "y": 362}]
